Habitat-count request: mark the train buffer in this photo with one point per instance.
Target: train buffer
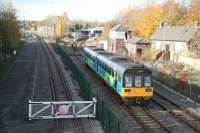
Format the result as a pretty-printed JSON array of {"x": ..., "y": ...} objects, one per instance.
[{"x": 62, "y": 109}]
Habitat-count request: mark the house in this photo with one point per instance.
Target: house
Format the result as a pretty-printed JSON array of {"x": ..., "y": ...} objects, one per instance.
[
  {"x": 53, "y": 26},
  {"x": 94, "y": 32},
  {"x": 118, "y": 34},
  {"x": 172, "y": 41},
  {"x": 136, "y": 46},
  {"x": 46, "y": 28}
]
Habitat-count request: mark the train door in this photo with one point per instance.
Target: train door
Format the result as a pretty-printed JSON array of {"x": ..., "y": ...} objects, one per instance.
[{"x": 119, "y": 83}]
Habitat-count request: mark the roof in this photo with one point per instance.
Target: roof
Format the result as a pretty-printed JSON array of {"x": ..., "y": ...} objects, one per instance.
[
  {"x": 116, "y": 62},
  {"x": 119, "y": 27},
  {"x": 138, "y": 40},
  {"x": 176, "y": 33}
]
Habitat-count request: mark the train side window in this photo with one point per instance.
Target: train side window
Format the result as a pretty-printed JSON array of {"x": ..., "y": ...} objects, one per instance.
[{"x": 112, "y": 72}]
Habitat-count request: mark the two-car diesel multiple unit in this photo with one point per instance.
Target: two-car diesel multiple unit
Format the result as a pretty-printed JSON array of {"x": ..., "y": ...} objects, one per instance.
[{"x": 131, "y": 81}]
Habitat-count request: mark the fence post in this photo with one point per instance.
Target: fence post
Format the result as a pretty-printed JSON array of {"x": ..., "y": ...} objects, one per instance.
[{"x": 30, "y": 109}]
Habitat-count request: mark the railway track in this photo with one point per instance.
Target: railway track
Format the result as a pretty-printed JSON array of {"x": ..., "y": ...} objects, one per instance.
[
  {"x": 151, "y": 122},
  {"x": 60, "y": 90},
  {"x": 147, "y": 120},
  {"x": 141, "y": 115},
  {"x": 182, "y": 115},
  {"x": 58, "y": 93}
]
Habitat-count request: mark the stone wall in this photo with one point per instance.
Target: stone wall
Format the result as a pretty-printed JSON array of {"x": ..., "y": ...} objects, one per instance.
[{"x": 195, "y": 63}]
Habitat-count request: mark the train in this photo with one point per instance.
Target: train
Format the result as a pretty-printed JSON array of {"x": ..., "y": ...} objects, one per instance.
[{"x": 131, "y": 81}]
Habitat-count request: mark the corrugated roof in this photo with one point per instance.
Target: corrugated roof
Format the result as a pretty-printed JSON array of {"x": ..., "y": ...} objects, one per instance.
[
  {"x": 138, "y": 40},
  {"x": 176, "y": 33},
  {"x": 119, "y": 27}
]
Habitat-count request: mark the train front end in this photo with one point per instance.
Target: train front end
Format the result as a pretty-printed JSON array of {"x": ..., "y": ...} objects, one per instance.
[{"x": 137, "y": 85}]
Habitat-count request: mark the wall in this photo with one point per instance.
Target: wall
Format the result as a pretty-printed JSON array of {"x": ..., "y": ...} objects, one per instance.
[
  {"x": 195, "y": 63},
  {"x": 132, "y": 48},
  {"x": 175, "y": 48},
  {"x": 103, "y": 44},
  {"x": 119, "y": 47},
  {"x": 45, "y": 31},
  {"x": 117, "y": 35}
]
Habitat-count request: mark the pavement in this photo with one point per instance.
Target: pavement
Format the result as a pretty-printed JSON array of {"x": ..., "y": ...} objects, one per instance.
[{"x": 15, "y": 91}]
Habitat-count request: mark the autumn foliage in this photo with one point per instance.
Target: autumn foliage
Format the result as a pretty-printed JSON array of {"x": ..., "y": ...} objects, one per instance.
[
  {"x": 149, "y": 21},
  {"x": 144, "y": 21},
  {"x": 61, "y": 25}
]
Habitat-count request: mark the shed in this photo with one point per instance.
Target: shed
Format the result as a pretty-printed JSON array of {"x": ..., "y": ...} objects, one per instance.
[
  {"x": 118, "y": 34},
  {"x": 136, "y": 45}
]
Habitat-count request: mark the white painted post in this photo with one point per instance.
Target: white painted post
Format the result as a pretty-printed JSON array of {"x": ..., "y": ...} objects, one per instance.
[
  {"x": 73, "y": 108},
  {"x": 30, "y": 109},
  {"x": 14, "y": 52},
  {"x": 95, "y": 101},
  {"x": 52, "y": 109}
]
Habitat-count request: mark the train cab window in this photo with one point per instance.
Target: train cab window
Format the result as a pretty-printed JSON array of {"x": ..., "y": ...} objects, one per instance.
[
  {"x": 138, "y": 81},
  {"x": 128, "y": 81},
  {"x": 147, "y": 81}
]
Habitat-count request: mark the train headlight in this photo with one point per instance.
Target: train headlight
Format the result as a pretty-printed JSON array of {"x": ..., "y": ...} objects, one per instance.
[
  {"x": 127, "y": 90},
  {"x": 148, "y": 90}
]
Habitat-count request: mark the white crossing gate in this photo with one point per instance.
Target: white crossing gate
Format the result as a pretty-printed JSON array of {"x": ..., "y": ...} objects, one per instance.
[{"x": 62, "y": 109}]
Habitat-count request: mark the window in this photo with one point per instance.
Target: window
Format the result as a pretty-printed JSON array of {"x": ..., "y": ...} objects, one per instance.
[
  {"x": 128, "y": 81},
  {"x": 147, "y": 81},
  {"x": 139, "y": 51},
  {"x": 89, "y": 56},
  {"x": 138, "y": 81}
]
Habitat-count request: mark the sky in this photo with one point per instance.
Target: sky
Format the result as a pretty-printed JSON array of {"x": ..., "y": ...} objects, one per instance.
[{"x": 92, "y": 10}]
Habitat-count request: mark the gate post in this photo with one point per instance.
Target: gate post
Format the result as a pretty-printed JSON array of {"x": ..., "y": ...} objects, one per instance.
[
  {"x": 30, "y": 109},
  {"x": 95, "y": 102}
]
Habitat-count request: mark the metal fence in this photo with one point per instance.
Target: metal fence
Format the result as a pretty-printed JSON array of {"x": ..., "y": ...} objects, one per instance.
[{"x": 110, "y": 123}]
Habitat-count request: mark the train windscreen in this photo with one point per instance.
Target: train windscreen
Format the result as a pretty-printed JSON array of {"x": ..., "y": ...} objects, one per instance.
[{"x": 137, "y": 78}]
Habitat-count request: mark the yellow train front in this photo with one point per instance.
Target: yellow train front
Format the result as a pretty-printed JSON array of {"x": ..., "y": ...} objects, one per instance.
[
  {"x": 137, "y": 86},
  {"x": 131, "y": 81}
]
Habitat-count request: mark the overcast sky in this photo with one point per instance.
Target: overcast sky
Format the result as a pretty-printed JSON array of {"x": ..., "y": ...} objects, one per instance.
[{"x": 100, "y": 10}]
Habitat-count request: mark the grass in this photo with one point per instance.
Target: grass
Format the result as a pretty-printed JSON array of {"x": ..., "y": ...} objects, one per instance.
[{"x": 5, "y": 63}]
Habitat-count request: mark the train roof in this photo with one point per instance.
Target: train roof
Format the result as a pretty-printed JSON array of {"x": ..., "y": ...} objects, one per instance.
[
  {"x": 115, "y": 61},
  {"x": 93, "y": 50}
]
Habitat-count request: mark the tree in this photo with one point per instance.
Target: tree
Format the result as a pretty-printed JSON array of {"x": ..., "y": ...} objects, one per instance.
[
  {"x": 61, "y": 26},
  {"x": 129, "y": 17},
  {"x": 9, "y": 26},
  {"x": 106, "y": 29},
  {"x": 193, "y": 15},
  {"x": 149, "y": 21},
  {"x": 173, "y": 12}
]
